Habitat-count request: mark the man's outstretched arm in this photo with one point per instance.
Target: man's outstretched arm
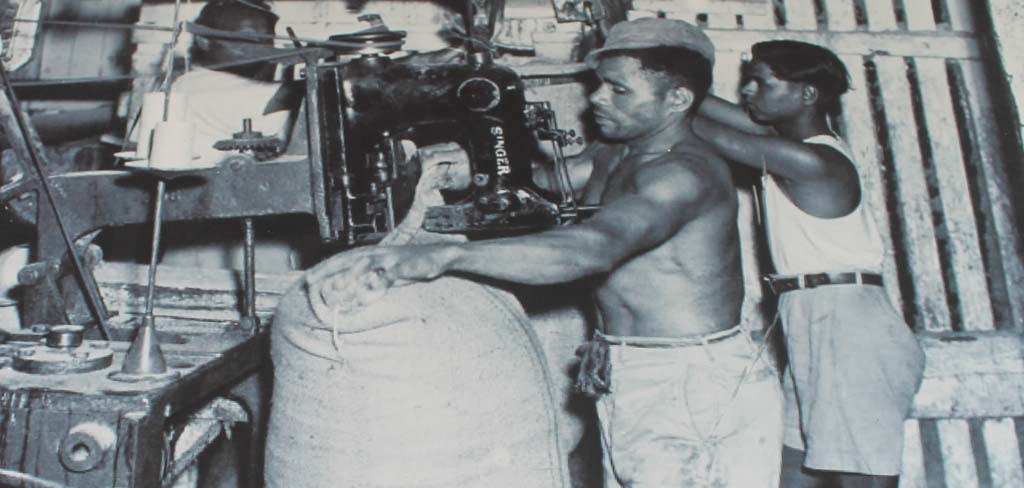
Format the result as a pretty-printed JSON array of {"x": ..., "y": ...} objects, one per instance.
[
  {"x": 731, "y": 115},
  {"x": 665, "y": 197}
]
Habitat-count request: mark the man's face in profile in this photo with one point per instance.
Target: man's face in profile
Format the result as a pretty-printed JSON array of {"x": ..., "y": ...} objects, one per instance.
[{"x": 629, "y": 102}]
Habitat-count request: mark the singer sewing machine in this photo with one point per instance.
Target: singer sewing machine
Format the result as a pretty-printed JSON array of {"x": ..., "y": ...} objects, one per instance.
[{"x": 68, "y": 420}]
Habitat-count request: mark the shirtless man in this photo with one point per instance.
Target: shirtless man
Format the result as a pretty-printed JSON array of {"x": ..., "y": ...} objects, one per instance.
[{"x": 690, "y": 400}]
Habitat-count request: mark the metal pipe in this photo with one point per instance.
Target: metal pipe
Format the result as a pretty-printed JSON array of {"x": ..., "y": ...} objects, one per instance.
[
  {"x": 155, "y": 252},
  {"x": 249, "y": 319},
  {"x": 9, "y": 477}
]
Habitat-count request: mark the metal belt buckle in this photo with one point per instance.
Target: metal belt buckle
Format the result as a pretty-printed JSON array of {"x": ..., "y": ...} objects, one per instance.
[{"x": 815, "y": 280}]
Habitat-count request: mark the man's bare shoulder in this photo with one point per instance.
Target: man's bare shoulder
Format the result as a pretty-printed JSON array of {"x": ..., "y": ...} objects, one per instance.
[{"x": 695, "y": 149}]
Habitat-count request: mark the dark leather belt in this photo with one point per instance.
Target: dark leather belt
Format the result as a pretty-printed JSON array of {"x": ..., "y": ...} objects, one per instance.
[
  {"x": 670, "y": 342},
  {"x": 782, "y": 284}
]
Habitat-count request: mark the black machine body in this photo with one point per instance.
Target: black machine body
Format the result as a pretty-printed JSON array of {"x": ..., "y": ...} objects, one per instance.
[{"x": 369, "y": 105}]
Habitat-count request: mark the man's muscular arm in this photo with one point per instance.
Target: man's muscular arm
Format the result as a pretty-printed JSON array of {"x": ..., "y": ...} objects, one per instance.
[
  {"x": 791, "y": 160},
  {"x": 664, "y": 198},
  {"x": 731, "y": 115}
]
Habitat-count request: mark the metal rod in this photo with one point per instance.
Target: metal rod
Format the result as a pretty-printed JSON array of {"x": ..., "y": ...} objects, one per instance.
[
  {"x": 155, "y": 252},
  {"x": 250, "y": 271},
  {"x": 25, "y": 130}
]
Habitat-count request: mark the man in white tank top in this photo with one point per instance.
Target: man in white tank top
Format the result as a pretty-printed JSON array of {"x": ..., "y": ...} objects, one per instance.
[{"x": 853, "y": 364}]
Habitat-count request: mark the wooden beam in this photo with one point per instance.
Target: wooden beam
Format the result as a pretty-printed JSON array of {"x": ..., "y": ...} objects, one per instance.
[
  {"x": 971, "y": 375},
  {"x": 935, "y": 44}
]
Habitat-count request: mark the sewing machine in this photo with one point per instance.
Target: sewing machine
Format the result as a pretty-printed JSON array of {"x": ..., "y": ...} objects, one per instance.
[{"x": 69, "y": 419}]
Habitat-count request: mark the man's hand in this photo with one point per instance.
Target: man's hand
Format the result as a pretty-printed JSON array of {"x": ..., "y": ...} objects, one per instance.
[{"x": 353, "y": 279}]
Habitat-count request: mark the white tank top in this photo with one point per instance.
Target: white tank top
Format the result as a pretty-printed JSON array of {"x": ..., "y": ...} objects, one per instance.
[{"x": 802, "y": 243}]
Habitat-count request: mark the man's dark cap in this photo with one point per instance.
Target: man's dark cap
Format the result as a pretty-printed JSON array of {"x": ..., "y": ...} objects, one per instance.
[
  {"x": 215, "y": 5},
  {"x": 647, "y": 32}
]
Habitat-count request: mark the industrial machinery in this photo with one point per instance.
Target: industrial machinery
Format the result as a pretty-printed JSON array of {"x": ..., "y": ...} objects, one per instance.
[{"x": 69, "y": 418}]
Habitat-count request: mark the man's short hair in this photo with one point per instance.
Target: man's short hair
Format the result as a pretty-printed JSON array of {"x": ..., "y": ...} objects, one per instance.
[
  {"x": 681, "y": 66},
  {"x": 806, "y": 63},
  {"x": 224, "y": 14}
]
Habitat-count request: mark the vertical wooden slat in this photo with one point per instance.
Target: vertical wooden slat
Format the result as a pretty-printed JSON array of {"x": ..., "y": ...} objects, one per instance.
[
  {"x": 991, "y": 144},
  {"x": 968, "y": 268},
  {"x": 1004, "y": 457},
  {"x": 961, "y": 15},
  {"x": 727, "y": 74},
  {"x": 765, "y": 21},
  {"x": 912, "y": 473},
  {"x": 912, "y": 195},
  {"x": 919, "y": 14},
  {"x": 957, "y": 456},
  {"x": 839, "y": 15},
  {"x": 720, "y": 20},
  {"x": 860, "y": 135},
  {"x": 881, "y": 16},
  {"x": 800, "y": 15}
]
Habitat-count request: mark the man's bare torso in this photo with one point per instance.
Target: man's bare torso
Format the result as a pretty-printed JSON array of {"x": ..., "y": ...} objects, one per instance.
[{"x": 689, "y": 285}]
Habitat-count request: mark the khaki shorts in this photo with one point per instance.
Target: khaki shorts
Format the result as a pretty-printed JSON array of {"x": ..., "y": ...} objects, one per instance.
[
  {"x": 699, "y": 415},
  {"x": 854, "y": 367}
]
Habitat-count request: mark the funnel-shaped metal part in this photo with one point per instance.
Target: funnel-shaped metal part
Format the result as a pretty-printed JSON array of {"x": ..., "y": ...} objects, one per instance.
[{"x": 144, "y": 356}]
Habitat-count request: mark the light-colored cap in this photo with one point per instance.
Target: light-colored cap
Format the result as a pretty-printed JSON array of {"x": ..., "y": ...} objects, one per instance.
[{"x": 653, "y": 32}]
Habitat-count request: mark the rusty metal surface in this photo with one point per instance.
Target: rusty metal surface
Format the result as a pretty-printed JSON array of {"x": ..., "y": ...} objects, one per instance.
[{"x": 40, "y": 411}]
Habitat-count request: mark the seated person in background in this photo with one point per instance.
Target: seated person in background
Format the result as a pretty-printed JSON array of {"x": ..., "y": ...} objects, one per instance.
[
  {"x": 218, "y": 99},
  {"x": 854, "y": 365}
]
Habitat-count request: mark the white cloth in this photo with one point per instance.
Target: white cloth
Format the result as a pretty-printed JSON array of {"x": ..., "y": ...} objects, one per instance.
[
  {"x": 217, "y": 102},
  {"x": 802, "y": 243}
]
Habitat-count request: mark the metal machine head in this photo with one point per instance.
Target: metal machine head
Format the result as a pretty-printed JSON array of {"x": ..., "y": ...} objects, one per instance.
[{"x": 368, "y": 105}]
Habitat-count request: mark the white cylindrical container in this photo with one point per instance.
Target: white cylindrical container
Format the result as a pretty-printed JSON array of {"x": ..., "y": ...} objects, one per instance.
[
  {"x": 152, "y": 114},
  {"x": 172, "y": 145}
]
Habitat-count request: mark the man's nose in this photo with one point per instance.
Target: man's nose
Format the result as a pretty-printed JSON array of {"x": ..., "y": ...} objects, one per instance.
[{"x": 599, "y": 96}]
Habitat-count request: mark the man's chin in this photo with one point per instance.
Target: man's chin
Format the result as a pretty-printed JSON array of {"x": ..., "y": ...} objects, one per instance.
[
  {"x": 757, "y": 117},
  {"x": 609, "y": 135}
]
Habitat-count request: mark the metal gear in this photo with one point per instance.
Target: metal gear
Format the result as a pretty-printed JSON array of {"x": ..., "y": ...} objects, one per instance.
[{"x": 250, "y": 141}]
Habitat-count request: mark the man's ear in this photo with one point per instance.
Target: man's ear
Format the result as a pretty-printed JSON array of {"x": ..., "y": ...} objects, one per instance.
[
  {"x": 809, "y": 95},
  {"x": 679, "y": 99}
]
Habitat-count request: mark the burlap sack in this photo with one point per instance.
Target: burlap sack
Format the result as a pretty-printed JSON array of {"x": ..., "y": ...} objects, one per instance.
[{"x": 439, "y": 384}]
